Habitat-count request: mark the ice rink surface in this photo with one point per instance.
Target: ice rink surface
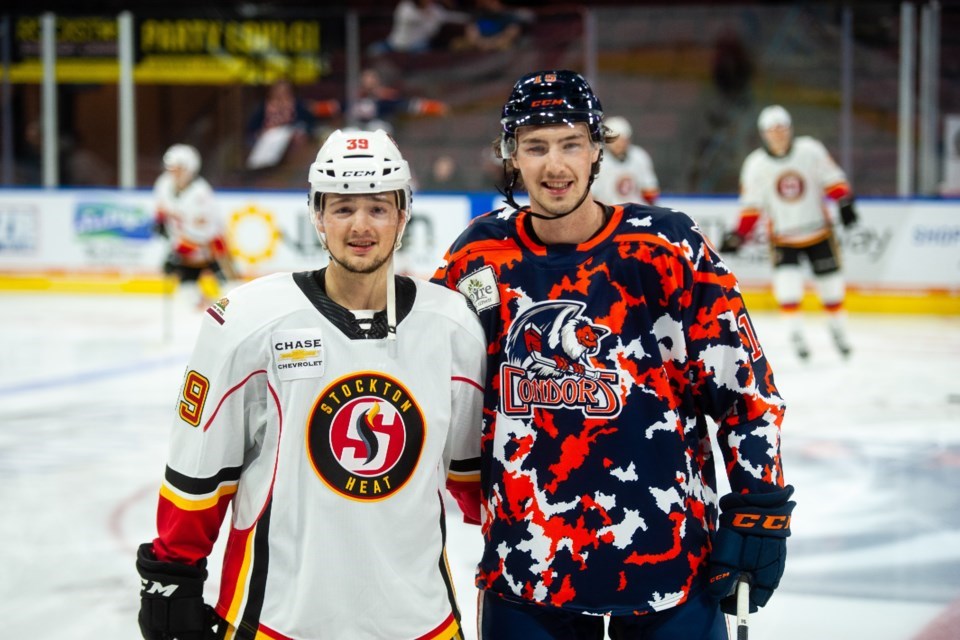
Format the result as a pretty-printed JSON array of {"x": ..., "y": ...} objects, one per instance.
[{"x": 87, "y": 391}]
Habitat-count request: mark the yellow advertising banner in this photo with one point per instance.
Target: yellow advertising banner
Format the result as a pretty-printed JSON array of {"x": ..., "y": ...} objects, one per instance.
[{"x": 177, "y": 50}]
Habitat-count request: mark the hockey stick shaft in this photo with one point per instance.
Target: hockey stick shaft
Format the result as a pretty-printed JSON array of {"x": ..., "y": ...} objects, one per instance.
[{"x": 743, "y": 607}]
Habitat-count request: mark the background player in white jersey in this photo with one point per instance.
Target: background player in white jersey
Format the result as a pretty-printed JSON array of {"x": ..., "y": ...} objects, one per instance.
[
  {"x": 626, "y": 173},
  {"x": 786, "y": 181},
  {"x": 187, "y": 214},
  {"x": 328, "y": 408}
]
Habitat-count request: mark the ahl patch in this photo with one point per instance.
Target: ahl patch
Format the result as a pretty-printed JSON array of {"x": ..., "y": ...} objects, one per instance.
[
  {"x": 297, "y": 353},
  {"x": 480, "y": 288}
]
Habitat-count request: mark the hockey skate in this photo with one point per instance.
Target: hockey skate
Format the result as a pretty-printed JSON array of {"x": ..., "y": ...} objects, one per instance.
[
  {"x": 800, "y": 346},
  {"x": 840, "y": 341}
]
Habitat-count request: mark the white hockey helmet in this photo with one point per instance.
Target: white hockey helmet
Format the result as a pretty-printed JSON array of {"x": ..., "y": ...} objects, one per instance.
[
  {"x": 352, "y": 162},
  {"x": 773, "y": 116},
  {"x": 619, "y": 126},
  {"x": 182, "y": 155}
]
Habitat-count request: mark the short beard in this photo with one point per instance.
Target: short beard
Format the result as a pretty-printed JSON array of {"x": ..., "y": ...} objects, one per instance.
[{"x": 366, "y": 269}]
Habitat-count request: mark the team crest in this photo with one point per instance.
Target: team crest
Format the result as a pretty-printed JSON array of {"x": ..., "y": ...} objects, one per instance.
[
  {"x": 365, "y": 436},
  {"x": 790, "y": 186},
  {"x": 547, "y": 363}
]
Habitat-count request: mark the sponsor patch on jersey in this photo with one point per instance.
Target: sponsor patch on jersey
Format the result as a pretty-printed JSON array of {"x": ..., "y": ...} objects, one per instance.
[
  {"x": 365, "y": 436},
  {"x": 481, "y": 289},
  {"x": 297, "y": 353}
]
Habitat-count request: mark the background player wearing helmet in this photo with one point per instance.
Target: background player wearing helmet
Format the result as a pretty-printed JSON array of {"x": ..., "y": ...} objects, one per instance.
[
  {"x": 614, "y": 333},
  {"x": 310, "y": 411},
  {"x": 786, "y": 180},
  {"x": 626, "y": 173},
  {"x": 188, "y": 216}
]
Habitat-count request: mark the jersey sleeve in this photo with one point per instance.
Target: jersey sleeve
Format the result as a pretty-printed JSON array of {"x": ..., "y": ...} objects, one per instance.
[
  {"x": 462, "y": 452},
  {"x": 220, "y": 412},
  {"x": 831, "y": 176},
  {"x": 733, "y": 381}
]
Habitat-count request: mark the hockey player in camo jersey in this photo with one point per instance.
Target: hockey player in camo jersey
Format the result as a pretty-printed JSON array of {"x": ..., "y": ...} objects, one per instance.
[
  {"x": 785, "y": 182},
  {"x": 615, "y": 334},
  {"x": 327, "y": 407}
]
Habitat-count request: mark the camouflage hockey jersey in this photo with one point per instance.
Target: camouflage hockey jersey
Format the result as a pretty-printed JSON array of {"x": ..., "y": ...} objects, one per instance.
[
  {"x": 606, "y": 360},
  {"x": 332, "y": 452}
]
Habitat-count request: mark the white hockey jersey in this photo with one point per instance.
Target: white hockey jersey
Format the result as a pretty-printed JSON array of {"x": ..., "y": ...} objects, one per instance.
[
  {"x": 791, "y": 189},
  {"x": 631, "y": 179},
  {"x": 332, "y": 448},
  {"x": 191, "y": 217}
]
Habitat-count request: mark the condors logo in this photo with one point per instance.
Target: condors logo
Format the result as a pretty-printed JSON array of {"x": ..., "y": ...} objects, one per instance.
[
  {"x": 548, "y": 363},
  {"x": 365, "y": 436}
]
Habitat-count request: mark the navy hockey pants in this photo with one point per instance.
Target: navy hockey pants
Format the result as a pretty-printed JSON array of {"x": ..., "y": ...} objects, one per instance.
[{"x": 697, "y": 619}]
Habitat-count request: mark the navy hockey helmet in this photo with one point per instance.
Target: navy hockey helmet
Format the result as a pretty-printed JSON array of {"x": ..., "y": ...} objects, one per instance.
[{"x": 546, "y": 98}]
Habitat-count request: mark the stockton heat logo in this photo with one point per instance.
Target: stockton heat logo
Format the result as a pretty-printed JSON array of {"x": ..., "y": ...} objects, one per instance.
[
  {"x": 548, "y": 364},
  {"x": 365, "y": 436}
]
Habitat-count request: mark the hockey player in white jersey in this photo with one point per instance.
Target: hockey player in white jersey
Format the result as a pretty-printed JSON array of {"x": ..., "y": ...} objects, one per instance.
[
  {"x": 187, "y": 214},
  {"x": 626, "y": 173},
  {"x": 327, "y": 408},
  {"x": 786, "y": 182}
]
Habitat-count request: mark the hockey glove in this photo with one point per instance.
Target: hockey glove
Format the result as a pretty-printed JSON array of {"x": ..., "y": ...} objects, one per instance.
[
  {"x": 731, "y": 242},
  {"x": 171, "y": 600},
  {"x": 751, "y": 539},
  {"x": 848, "y": 215}
]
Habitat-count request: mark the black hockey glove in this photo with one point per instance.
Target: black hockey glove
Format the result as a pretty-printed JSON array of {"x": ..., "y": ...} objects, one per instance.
[
  {"x": 160, "y": 228},
  {"x": 848, "y": 215},
  {"x": 751, "y": 539},
  {"x": 731, "y": 242},
  {"x": 171, "y": 600}
]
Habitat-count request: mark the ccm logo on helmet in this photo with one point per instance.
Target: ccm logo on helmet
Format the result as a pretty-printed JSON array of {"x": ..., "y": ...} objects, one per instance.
[
  {"x": 358, "y": 174},
  {"x": 552, "y": 102},
  {"x": 752, "y": 521}
]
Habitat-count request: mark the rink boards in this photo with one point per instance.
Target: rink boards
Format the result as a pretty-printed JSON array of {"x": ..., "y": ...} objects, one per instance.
[{"x": 903, "y": 256}]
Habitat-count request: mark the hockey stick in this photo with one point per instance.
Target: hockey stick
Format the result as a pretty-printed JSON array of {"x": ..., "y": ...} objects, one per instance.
[{"x": 743, "y": 606}]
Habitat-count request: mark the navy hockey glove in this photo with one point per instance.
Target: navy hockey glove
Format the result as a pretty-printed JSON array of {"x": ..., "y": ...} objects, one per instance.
[
  {"x": 171, "y": 600},
  {"x": 848, "y": 215},
  {"x": 731, "y": 242},
  {"x": 751, "y": 539}
]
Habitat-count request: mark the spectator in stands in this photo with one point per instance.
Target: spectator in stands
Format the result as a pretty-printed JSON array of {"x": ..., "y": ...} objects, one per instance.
[
  {"x": 281, "y": 122},
  {"x": 377, "y": 104},
  {"x": 495, "y": 27},
  {"x": 444, "y": 175},
  {"x": 417, "y": 25}
]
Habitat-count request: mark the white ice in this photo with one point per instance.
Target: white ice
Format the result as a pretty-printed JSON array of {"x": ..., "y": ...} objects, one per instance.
[{"x": 87, "y": 390}]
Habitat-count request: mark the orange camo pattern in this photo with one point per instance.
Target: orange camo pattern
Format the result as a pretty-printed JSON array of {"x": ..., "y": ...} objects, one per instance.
[{"x": 567, "y": 493}]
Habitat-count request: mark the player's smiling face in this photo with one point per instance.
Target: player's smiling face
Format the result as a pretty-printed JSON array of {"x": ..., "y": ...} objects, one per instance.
[
  {"x": 361, "y": 230},
  {"x": 555, "y": 162}
]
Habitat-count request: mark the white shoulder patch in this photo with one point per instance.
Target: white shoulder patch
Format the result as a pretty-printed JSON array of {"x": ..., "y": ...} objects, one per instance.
[{"x": 480, "y": 287}]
